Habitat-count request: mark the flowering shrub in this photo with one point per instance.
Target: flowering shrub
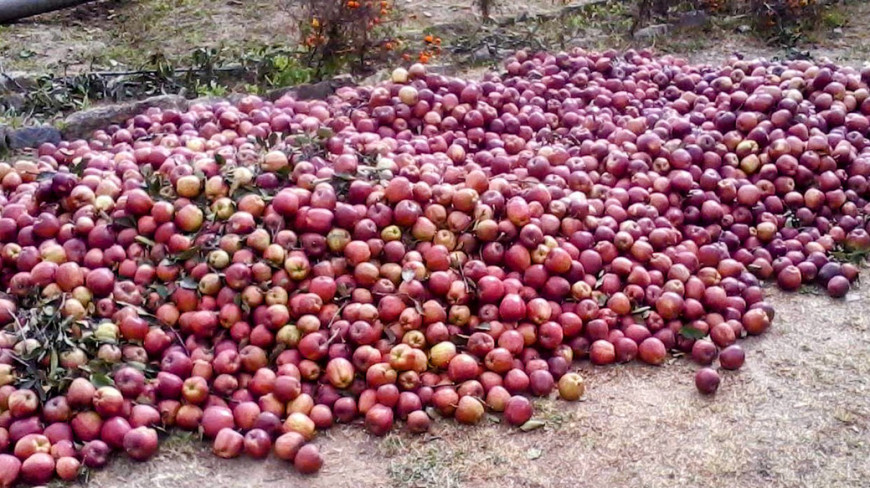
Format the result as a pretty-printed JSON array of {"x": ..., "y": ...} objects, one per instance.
[
  {"x": 356, "y": 34},
  {"x": 339, "y": 33},
  {"x": 783, "y": 20}
]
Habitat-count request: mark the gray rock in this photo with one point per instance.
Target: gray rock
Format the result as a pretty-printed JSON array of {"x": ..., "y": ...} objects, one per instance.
[
  {"x": 442, "y": 69},
  {"x": 164, "y": 102},
  {"x": 3, "y": 144},
  {"x": 12, "y": 101},
  {"x": 32, "y": 137},
  {"x": 343, "y": 80},
  {"x": 312, "y": 91},
  {"x": 277, "y": 93},
  {"x": 486, "y": 53},
  {"x": 651, "y": 32},
  {"x": 376, "y": 78},
  {"x": 17, "y": 81},
  {"x": 208, "y": 100},
  {"x": 694, "y": 18},
  {"x": 82, "y": 124},
  {"x": 743, "y": 28}
]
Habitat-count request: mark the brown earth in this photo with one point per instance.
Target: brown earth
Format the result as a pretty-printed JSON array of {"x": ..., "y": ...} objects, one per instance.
[{"x": 110, "y": 34}]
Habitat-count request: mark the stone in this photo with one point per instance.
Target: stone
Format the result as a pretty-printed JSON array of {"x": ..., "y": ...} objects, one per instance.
[
  {"x": 312, "y": 91},
  {"x": 13, "y": 101},
  {"x": 17, "y": 81},
  {"x": 651, "y": 32},
  {"x": 32, "y": 137},
  {"x": 693, "y": 19},
  {"x": 81, "y": 124}
]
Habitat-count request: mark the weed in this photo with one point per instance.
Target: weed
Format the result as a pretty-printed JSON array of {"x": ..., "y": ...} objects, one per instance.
[
  {"x": 211, "y": 89},
  {"x": 431, "y": 466}
]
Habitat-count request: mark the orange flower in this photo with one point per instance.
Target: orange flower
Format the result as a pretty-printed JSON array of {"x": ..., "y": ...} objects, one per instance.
[{"x": 428, "y": 39}]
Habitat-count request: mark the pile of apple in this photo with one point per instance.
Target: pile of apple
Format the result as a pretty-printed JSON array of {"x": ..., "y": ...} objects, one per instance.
[{"x": 431, "y": 246}]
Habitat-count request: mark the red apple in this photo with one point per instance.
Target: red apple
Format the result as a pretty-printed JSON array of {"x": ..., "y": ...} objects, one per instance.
[
  {"x": 517, "y": 410},
  {"x": 10, "y": 467},
  {"x": 379, "y": 420},
  {"x": 141, "y": 443},
  {"x": 68, "y": 468},
  {"x": 38, "y": 468},
  {"x": 95, "y": 454},
  {"x": 308, "y": 459},
  {"x": 108, "y": 401},
  {"x": 114, "y": 430},
  {"x": 30, "y": 445},
  {"x": 288, "y": 445},
  {"x": 257, "y": 443},
  {"x": 22, "y": 403},
  {"x": 228, "y": 443},
  {"x": 418, "y": 422}
]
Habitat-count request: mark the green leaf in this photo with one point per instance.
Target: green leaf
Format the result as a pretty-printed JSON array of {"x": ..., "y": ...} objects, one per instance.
[
  {"x": 324, "y": 133},
  {"x": 532, "y": 424},
  {"x": 189, "y": 283},
  {"x": 162, "y": 291},
  {"x": 691, "y": 333},
  {"x": 100, "y": 380},
  {"x": 407, "y": 275},
  {"x": 145, "y": 241},
  {"x": 640, "y": 310},
  {"x": 137, "y": 365},
  {"x": 127, "y": 222},
  {"x": 185, "y": 255},
  {"x": 53, "y": 362}
]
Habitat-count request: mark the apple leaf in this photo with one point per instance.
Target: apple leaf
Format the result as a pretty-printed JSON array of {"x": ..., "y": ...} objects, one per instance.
[
  {"x": 100, "y": 380},
  {"x": 532, "y": 424}
]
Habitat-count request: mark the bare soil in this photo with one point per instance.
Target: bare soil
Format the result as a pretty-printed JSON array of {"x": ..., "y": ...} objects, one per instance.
[{"x": 108, "y": 34}]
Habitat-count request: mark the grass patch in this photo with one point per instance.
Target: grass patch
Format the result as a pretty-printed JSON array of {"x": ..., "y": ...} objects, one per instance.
[{"x": 426, "y": 467}]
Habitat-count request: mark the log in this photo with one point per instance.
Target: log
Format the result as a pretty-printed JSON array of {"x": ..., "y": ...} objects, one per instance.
[{"x": 12, "y": 10}]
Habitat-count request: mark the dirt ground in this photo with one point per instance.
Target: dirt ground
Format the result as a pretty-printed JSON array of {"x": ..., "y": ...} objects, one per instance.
[
  {"x": 123, "y": 34},
  {"x": 112, "y": 33},
  {"x": 796, "y": 415}
]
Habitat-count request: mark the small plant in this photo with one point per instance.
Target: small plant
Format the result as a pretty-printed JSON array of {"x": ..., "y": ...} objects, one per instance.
[
  {"x": 352, "y": 33},
  {"x": 211, "y": 89},
  {"x": 784, "y": 21},
  {"x": 285, "y": 70}
]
